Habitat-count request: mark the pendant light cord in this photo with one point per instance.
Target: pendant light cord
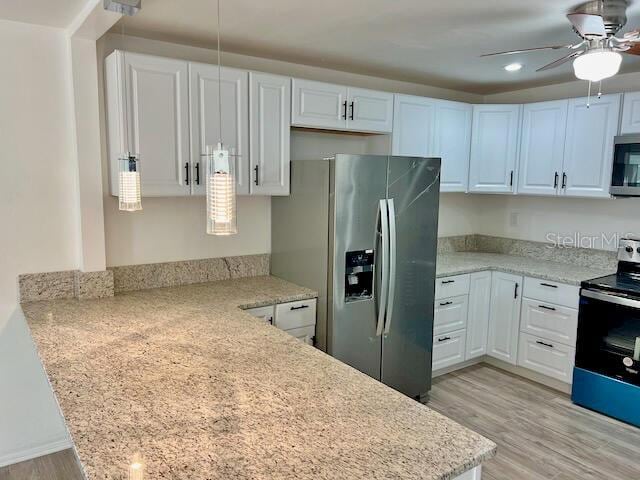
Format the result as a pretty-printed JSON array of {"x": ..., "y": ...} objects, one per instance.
[{"x": 219, "y": 79}]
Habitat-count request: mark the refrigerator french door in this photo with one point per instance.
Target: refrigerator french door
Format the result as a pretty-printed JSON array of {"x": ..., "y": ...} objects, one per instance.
[{"x": 362, "y": 231}]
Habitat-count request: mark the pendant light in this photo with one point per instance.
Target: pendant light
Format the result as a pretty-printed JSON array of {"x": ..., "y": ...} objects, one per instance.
[
  {"x": 221, "y": 174},
  {"x": 129, "y": 192}
]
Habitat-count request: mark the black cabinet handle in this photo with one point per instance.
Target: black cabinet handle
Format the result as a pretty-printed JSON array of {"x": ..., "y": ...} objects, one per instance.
[
  {"x": 564, "y": 180},
  {"x": 548, "y": 285},
  {"x": 547, "y": 308},
  {"x": 344, "y": 111},
  {"x": 511, "y": 179},
  {"x": 445, "y": 303},
  {"x": 515, "y": 291},
  {"x": 300, "y": 307},
  {"x": 443, "y": 282},
  {"x": 198, "y": 173},
  {"x": 545, "y": 344},
  {"x": 555, "y": 180},
  {"x": 352, "y": 107},
  {"x": 444, "y": 339},
  {"x": 255, "y": 180},
  {"x": 186, "y": 173}
]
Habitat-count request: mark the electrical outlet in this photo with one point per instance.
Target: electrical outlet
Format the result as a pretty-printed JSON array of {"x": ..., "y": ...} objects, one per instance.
[{"x": 514, "y": 219}]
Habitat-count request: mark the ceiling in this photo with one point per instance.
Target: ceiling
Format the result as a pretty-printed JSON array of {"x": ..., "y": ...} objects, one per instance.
[
  {"x": 429, "y": 42},
  {"x": 58, "y": 13}
]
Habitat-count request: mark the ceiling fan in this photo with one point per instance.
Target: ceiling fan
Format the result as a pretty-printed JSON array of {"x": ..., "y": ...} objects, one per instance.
[{"x": 597, "y": 55}]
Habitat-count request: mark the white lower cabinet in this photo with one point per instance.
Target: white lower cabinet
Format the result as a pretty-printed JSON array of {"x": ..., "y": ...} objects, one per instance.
[
  {"x": 478, "y": 317},
  {"x": 448, "y": 349},
  {"x": 474, "y": 474},
  {"x": 549, "y": 358},
  {"x": 504, "y": 323},
  {"x": 298, "y": 319},
  {"x": 450, "y": 314},
  {"x": 549, "y": 321}
]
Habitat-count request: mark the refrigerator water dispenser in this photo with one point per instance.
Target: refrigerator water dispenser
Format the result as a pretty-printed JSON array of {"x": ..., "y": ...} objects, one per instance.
[{"x": 358, "y": 275}]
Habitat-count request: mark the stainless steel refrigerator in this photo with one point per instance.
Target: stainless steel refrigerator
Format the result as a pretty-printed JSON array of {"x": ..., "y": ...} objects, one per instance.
[{"x": 362, "y": 231}]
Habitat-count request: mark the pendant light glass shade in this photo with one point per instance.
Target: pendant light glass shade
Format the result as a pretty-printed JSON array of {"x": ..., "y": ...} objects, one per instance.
[
  {"x": 597, "y": 65},
  {"x": 221, "y": 191},
  {"x": 129, "y": 183}
]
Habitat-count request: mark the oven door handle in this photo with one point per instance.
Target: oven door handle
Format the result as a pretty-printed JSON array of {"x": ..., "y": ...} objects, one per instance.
[{"x": 606, "y": 297}]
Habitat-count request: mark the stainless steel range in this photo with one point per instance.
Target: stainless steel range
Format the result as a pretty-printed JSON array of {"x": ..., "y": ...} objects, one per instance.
[{"x": 607, "y": 373}]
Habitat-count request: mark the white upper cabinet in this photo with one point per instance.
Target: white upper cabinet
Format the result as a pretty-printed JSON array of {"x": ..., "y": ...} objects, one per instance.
[
  {"x": 630, "y": 113},
  {"x": 148, "y": 115},
  {"x": 494, "y": 148},
  {"x": 504, "y": 324},
  {"x": 452, "y": 142},
  {"x": 205, "y": 120},
  {"x": 335, "y": 107},
  {"x": 426, "y": 127},
  {"x": 588, "y": 152},
  {"x": 270, "y": 114},
  {"x": 413, "y": 126},
  {"x": 369, "y": 110},
  {"x": 544, "y": 126}
]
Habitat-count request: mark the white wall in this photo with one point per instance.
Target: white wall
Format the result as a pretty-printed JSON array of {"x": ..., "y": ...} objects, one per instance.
[{"x": 39, "y": 213}]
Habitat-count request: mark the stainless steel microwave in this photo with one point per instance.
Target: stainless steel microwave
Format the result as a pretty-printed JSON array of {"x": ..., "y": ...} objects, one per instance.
[{"x": 625, "y": 175}]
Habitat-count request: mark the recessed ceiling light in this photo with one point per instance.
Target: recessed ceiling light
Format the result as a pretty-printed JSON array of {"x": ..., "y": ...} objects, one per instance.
[{"x": 513, "y": 67}]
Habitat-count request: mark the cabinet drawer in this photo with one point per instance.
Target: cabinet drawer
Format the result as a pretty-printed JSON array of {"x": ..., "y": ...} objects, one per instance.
[
  {"x": 553, "y": 322},
  {"x": 552, "y": 292},
  {"x": 304, "y": 334},
  {"x": 450, "y": 314},
  {"x": 452, "y": 286},
  {"x": 448, "y": 349},
  {"x": 264, "y": 313},
  {"x": 548, "y": 358},
  {"x": 296, "y": 314}
]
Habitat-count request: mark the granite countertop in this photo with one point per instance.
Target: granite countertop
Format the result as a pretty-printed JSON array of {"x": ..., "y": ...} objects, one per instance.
[
  {"x": 203, "y": 390},
  {"x": 467, "y": 262}
]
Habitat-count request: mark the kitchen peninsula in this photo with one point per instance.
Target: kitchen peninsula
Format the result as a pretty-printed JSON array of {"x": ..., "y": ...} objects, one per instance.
[{"x": 201, "y": 390}]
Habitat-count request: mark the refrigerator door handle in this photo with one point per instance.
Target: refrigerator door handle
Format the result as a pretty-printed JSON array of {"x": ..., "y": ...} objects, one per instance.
[
  {"x": 392, "y": 263},
  {"x": 383, "y": 233}
]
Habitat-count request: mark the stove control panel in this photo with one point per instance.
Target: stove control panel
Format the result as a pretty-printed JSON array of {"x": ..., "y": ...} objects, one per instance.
[{"x": 629, "y": 250}]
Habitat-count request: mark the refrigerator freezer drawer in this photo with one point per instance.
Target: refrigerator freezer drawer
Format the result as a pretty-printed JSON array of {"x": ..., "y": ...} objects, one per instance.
[
  {"x": 450, "y": 314},
  {"x": 296, "y": 314},
  {"x": 448, "y": 349},
  {"x": 452, "y": 286}
]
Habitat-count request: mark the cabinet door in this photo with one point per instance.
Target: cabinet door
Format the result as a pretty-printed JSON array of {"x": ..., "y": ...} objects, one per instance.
[
  {"x": 504, "y": 323},
  {"x": 494, "y": 148},
  {"x": 270, "y": 116},
  {"x": 413, "y": 126},
  {"x": 544, "y": 127},
  {"x": 630, "y": 113},
  {"x": 318, "y": 105},
  {"x": 156, "y": 102},
  {"x": 205, "y": 120},
  {"x": 589, "y": 146},
  {"x": 478, "y": 316},
  {"x": 369, "y": 110},
  {"x": 452, "y": 143}
]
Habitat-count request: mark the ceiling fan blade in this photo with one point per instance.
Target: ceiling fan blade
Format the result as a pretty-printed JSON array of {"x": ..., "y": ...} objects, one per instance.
[
  {"x": 560, "y": 61},
  {"x": 587, "y": 25},
  {"x": 527, "y": 50},
  {"x": 633, "y": 49}
]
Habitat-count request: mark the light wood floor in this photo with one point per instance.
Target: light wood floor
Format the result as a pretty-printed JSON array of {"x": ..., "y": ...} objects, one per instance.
[
  {"x": 540, "y": 434},
  {"x": 56, "y": 466}
]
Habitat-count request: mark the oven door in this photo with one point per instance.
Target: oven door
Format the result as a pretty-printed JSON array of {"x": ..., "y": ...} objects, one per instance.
[
  {"x": 625, "y": 175},
  {"x": 609, "y": 335}
]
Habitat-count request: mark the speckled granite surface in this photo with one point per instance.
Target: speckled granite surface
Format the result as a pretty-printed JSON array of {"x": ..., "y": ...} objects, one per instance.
[
  {"x": 204, "y": 391},
  {"x": 186, "y": 272},
  {"x": 467, "y": 262}
]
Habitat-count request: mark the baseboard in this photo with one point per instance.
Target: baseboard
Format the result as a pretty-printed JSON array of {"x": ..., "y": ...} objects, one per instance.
[
  {"x": 529, "y": 374},
  {"x": 34, "y": 452}
]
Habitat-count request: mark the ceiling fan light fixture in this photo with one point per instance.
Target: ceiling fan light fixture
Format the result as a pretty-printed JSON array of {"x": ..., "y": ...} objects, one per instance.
[
  {"x": 597, "y": 65},
  {"x": 513, "y": 67}
]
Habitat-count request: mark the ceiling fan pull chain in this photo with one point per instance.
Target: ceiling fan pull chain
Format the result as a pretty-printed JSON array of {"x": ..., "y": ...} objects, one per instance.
[
  {"x": 589, "y": 95},
  {"x": 600, "y": 90}
]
